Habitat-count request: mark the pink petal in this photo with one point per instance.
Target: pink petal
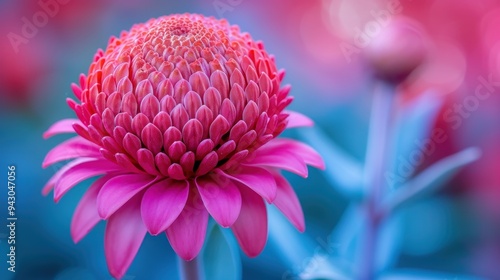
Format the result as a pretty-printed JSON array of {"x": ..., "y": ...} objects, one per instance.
[
  {"x": 264, "y": 81},
  {"x": 238, "y": 130},
  {"x": 152, "y": 138},
  {"x": 162, "y": 203},
  {"x": 212, "y": 97},
  {"x": 281, "y": 159},
  {"x": 150, "y": 106},
  {"x": 187, "y": 232},
  {"x": 81, "y": 172},
  {"x": 146, "y": 160},
  {"x": 221, "y": 198},
  {"x": 120, "y": 189},
  {"x": 176, "y": 172},
  {"x": 55, "y": 178},
  {"x": 250, "y": 113},
  {"x": 218, "y": 128},
  {"x": 208, "y": 163},
  {"x": 124, "y": 161},
  {"x": 162, "y": 121},
  {"x": 250, "y": 228},
  {"x": 288, "y": 203},
  {"x": 257, "y": 179},
  {"x": 124, "y": 234},
  {"x": 308, "y": 154},
  {"x": 192, "y": 102},
  {"x": 225, "y": 149},
  {"x": 72, "y": 148},
  {"x": 86, "y": 216},
  {"x": 199, "y": 81},
  {"x": 219, "y": 81},
  {"x": 192, "y": 134},
  {"x": 296, "y": 119},
  {"x": 205, "y": 147},
  {"x": 62, "y": 126}
]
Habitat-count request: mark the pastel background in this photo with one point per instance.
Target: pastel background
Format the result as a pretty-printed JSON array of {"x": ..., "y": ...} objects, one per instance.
[{"x": 453, "y": 232}]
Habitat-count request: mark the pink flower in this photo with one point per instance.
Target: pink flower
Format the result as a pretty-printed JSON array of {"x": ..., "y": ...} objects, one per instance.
[{"x": 180, "y": 117}]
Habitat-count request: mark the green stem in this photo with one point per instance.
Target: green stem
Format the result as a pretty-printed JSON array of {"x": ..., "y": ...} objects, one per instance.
[{"x": 189, "y": 270}]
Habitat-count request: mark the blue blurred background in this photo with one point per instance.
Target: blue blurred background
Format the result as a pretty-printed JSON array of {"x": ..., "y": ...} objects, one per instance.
[{"x": 454, "y": 231}]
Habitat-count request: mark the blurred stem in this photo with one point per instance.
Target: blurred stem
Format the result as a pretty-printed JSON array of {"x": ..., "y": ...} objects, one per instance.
[
  {"x": 376, "y": 164},
  {"x": 189, "y": 270}
]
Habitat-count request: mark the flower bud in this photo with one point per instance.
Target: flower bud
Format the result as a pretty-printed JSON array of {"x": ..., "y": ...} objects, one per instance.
[{"x": 397, "y": 51}]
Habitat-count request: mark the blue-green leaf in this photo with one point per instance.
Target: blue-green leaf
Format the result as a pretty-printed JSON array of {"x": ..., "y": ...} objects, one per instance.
[
  {"x": 431, "y": 178},
  {"x": 342, "y": 170}
]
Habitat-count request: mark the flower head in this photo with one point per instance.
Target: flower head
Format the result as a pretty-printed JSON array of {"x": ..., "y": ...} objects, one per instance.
[{"x": 179, "y": 116}]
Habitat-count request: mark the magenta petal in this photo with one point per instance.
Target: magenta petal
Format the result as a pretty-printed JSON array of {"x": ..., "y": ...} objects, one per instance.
[
  {"x": 187, "y": 232},
  {"x": 124, "y": 234},
  {"x": 62, "y": 126},
  {"x": 118, "y": 190},
  {"x": 55, "y": 178},
  {"x": 221, "y": 198},
  {"x": 257, "y": 179},
  {"x": 250, "y": 228},
  {"x": 162, "y": 203},
  {"x": 81, "y": 172},
  {"x": 86, "y": 216},
  {"x": 308, "y": 154},
  {"x": 72, "y": 148},
  {"x": 288, "y": 203},
  {"x": 281, "y": 159},
  {"x": 296, "y": 119}
]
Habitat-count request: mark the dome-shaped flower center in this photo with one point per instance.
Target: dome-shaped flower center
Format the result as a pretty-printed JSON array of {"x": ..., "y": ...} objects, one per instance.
[{"x": 181, "y": 95}]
